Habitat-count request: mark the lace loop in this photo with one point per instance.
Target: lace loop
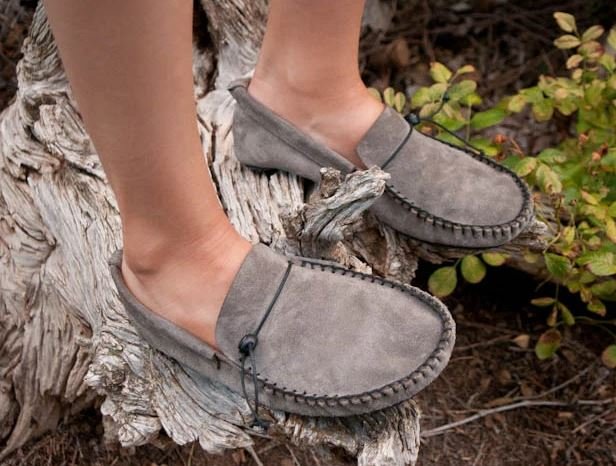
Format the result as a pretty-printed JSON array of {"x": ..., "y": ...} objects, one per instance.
[{"x": 246, "y": 347}]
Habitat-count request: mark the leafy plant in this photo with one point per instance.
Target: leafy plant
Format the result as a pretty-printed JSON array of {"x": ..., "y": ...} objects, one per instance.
[
  {"x": 472, "y": 269},
  {"x": 577, "y": 177}
]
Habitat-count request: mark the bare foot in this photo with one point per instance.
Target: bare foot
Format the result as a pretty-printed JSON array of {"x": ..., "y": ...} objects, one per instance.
[
  {"x": 188, "y": 284},
  {"x": 337, "y": 119}
]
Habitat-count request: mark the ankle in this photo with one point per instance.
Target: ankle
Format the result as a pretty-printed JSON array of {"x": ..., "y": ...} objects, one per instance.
[
  {"x": 336, "y": 117},
  {"x": 305, "y": 94},
  {"x": 148, "y": 255}
]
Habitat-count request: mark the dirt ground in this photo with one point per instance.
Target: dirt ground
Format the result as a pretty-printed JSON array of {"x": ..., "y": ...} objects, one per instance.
[{"x": 510, "y": 408}]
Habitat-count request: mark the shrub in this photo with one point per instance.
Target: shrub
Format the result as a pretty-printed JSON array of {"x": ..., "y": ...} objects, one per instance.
[{"x": 577, "y": 177}]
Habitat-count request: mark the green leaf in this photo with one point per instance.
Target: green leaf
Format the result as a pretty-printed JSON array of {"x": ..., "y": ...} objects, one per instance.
[
  {"x": 561, "y": 94},
  {"x": 594, "y": 93},
  {"x": 543, "y": 302},
  {"x": 532, "y": 94},
  {"x": 448, "y": 138},
  {"x": 526, "y": 166},
  {"x": 565, "y": 21},
  {"x": 429, "y": 110},
  {"x": 375, "y": 93},
  {"x": 388, "y": 96},
  {"x": 566, "y": 107},
  {"x": 603, "y": 264},
  {"x": 399, "y": 101},
  {"x": 577, "y": 74},
  {"x": 591, "y": 50},
  {"x": 595, "y": 213},
  {"x": 592, "y": 33},
  {"x": 611, "y": 38},
  {"x": 586, "y": 277},
  {"x": 421, "y": 97},
  {"x": 517, "y": 103},
  {"x": 471, "y": 100},
  {"x": 452, "y": 124},
  {"x": 568, "y": 235},
  {"x": 589, "y": 198},
  {"x": 443, "y": 281},
  {"x": 609, "y": 162},
  {"x": 605, "y": 290},
  {"x": 548, "y": 343},
  {"x": 574, "y": 286},
  {"x": 552, "y": 156},
  {"x": 552, "y": 319},
  {"x": 574, "y": 61},
  {"x": 609, "y": 63},
  {"x": 548, "y": 180},
  {"x": 473, "y": 270},
  {"x": 558, "y": 266},
  {"x": 439, "y": 72},
  {"x": 466, "y": 69},
  {"x": 596, "y": 306},
  {"x": 566, "y": 314},
  {"x": 543, "y": 110},
  {"x": 495, "y": 259},
  {"x": 452, "y": 111},
  {"x": 610, "y": 229},
  {"x": 486, "y": 146},
  {"x": 437, "y": 91},
  {"x": 461, "y": 89},
  {"x": 481, "y": 120},
  {"x": 608, "y": 357},
  {"x": 567, "y": 42}
]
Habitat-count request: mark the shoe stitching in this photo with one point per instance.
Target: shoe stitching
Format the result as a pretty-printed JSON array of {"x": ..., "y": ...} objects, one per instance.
[
  {"x": 523, "y": 217},
  {"x": 429, "y": 366}
]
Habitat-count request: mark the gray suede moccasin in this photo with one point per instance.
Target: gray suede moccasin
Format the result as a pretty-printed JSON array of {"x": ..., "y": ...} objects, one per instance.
[
  {"x": 437, "y": 192},
  {"x": 309, "y": 337}
]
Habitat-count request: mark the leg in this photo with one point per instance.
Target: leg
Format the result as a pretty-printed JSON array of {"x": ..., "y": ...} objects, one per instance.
[
  {"x": 308, "y": 71},
  {"x": 130, "y": 67}
]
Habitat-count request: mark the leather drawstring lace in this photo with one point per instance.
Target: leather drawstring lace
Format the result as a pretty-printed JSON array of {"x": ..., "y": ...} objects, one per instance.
[
  {"x": 247, "y": 347},
  {"x": 414, "y": 119}
]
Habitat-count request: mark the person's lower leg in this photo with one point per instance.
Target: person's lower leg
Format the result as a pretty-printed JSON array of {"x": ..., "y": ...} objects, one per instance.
[
  {"x": 308, "y": 71},
  {"x": 130, "y": 68}
]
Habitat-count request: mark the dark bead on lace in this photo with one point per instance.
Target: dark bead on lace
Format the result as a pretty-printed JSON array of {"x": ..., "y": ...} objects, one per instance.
[
  {"x": 413, "y": 119},
  {"x": 248, "y": 343}
]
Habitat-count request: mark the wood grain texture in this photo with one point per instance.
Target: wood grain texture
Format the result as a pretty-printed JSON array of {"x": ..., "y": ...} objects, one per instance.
[{"x": 64, "y": 337}]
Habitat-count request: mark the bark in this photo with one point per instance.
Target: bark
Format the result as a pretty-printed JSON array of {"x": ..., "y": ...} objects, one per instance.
[{"x": 64, "y": 337}]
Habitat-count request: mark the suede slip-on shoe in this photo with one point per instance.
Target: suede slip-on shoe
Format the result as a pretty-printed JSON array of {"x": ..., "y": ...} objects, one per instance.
[
  {"x": 437, "y": 193},
  {"x": 309, "y": 337}
]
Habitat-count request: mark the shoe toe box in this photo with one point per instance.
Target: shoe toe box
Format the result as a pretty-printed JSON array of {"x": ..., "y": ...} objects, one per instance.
[
  {"x": 346, "y": 339},
  {"x": 453, "y": 185}
]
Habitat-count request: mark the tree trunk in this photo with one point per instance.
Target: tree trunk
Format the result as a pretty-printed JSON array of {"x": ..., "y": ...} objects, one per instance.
[{"x": 64, "y": 336}]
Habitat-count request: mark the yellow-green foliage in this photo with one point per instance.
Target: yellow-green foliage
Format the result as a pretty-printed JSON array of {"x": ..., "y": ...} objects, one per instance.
[{"x": 578, "y": 175}]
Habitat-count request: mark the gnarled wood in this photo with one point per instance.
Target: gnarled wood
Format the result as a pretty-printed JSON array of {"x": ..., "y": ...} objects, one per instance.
[{"x": 64, "y": 336}]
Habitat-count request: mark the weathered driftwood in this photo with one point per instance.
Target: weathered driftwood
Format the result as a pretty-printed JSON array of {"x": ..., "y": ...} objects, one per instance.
[{"x": 64, "y": 337}]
